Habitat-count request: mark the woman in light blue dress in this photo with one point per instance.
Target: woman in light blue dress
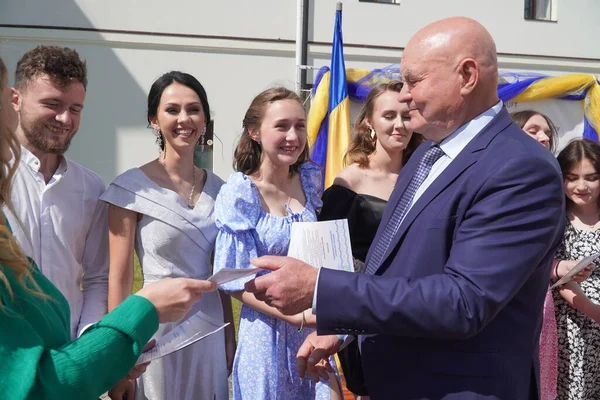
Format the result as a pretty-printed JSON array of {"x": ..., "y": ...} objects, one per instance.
[{"x": 275, "y": 185}]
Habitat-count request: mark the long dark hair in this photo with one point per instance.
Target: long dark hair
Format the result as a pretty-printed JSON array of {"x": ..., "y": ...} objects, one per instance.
[
  {"x": 247, "y": 154},
  {"x": 363, "y": 145},
  {"x": 166, "y": 80},
  {"x": 576, "y": 151}
]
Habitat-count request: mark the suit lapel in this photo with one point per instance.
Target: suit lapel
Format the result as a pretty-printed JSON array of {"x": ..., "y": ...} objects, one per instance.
[
  {"x": 404, "y": 178},
  {"x": 465, "y": 159}
]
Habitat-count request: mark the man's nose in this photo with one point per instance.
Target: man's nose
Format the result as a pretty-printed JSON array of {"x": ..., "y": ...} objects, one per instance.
[
  {"x": 404, "y": 96},
  {"x": 64, "y": 117}
]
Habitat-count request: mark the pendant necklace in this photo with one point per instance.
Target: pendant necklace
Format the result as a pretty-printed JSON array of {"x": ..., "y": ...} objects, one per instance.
[{"x": 190, "y": 203}]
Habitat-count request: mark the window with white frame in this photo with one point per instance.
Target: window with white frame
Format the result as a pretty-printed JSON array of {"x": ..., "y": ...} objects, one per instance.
[{"x": 541, "y": 10}]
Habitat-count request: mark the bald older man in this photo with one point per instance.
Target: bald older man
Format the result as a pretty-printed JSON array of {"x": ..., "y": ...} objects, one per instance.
[{"x": 451, "y": 302}]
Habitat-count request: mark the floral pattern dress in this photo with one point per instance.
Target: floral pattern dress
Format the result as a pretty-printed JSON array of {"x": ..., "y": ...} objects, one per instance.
[
  {"x": 265, "y": 360},
  {"x": 578, "y": 335}
]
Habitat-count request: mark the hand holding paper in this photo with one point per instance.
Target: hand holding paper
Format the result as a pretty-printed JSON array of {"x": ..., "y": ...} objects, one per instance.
[
  {"x": 230, "y": 274},
  {"x": 173, "y": 297},
  {"x": 581, "y": 265},
  {"x": 190, "y": 331},
  {"x": 290, "y": 287}
]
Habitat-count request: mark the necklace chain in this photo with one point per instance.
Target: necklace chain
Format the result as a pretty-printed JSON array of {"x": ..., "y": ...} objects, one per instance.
[
  {"x": 286, "y": 206},
  {"x": 190, "y": 203}
]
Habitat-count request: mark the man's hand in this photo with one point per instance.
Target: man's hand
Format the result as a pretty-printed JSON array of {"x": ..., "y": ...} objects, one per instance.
[
  {"x": 313, "y": 356},
  {"x": 289, "y": 288}
]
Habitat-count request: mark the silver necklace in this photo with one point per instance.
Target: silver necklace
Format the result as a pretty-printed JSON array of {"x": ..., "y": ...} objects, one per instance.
[
  {"x": 286, "y": 206},
  {"x": 190, "y": 203}
]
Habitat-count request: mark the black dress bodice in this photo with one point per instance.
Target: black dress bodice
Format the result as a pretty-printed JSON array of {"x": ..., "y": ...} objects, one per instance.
[{"x": 363, "y": 212}]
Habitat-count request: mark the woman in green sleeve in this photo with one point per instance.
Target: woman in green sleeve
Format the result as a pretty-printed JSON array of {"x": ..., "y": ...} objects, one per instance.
[{"x": 38, "y": 360}]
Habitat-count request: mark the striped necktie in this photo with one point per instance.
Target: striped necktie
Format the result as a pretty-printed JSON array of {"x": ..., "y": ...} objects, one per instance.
[{"x": 381, "y": 246}]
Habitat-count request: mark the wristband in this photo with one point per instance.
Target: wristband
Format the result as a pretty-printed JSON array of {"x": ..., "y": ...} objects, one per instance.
[
  {"x": 556, "y": 269},
  {"x": 302, "y": 323}
]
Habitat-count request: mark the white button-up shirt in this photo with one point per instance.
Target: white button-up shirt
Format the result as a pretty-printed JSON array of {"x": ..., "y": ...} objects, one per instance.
[
  {"x": 65, "y": 231},
  {"x": 454, "y": 144}
]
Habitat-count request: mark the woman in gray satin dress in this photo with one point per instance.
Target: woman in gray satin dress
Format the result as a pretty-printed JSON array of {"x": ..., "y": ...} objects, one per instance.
[{"x": 164, "y": 210}]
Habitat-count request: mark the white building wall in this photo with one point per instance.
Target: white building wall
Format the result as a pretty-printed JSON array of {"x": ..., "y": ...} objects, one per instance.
[{"x": 240, "y": 47}]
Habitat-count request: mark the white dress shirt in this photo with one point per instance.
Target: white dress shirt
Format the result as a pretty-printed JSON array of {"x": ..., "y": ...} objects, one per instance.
[
  {"x": 452, "y": 146},
  {"x": 65, "y": 231}
]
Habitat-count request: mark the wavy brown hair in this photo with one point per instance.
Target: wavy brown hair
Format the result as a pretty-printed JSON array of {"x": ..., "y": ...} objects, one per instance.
[
  {"x": 521, "y": 117},
  {"x": 248, "y": 153},
  {"x": 11, "y": 254},
  {"x": 363, "y": 145}
]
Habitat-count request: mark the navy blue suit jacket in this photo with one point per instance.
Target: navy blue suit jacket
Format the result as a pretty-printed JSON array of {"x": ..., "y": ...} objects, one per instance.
[{"x": 454, "y": 310}]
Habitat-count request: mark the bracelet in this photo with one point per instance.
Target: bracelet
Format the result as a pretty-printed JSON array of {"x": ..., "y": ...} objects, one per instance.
[
  {"x": 556, "y": 269},
  {"x": 302, "y": 323}
]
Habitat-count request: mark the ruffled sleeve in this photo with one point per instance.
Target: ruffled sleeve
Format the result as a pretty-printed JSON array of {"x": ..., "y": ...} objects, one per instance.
[
  {"x": 237, "y": 210},
  {"x": 312, "y": 181}
]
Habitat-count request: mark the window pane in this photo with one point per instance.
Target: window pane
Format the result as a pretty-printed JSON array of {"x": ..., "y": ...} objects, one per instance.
[{"x": 543, "y": 9}]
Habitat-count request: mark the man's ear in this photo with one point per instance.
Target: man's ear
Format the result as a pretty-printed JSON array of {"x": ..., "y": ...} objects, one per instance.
[
  {"x": 17, "y": 99},
  {"x": 469, "y": 71}
]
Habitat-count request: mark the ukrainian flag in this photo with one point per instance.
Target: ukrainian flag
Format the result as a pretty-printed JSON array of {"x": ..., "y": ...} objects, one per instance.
[{"x": 330, "y": 133}]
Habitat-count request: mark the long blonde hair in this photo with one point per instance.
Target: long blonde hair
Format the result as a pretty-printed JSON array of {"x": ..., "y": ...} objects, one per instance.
[{"x": 11, "y": 254}]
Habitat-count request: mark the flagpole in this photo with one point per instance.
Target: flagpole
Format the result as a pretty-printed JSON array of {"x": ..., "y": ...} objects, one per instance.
[{"x": 301, "y": 44}]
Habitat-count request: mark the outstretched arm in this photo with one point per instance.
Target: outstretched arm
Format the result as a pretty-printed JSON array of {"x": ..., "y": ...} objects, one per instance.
[
  {"x": 512, "y": 225},
  {"x": 81, "y": 369},
  {"x": 574, "y": 295}
]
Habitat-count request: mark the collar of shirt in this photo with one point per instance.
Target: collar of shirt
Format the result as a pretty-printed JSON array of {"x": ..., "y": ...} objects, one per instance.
[
  {"x": 461, "y": 137},
  {"x": 34, "y": 163}
]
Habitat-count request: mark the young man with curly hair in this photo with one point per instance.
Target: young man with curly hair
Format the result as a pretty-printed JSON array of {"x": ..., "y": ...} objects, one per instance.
[{"x": 64, "y": 225}]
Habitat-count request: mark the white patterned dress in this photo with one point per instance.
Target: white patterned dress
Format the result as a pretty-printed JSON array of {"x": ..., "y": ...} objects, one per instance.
[
  {"x": 265, "y": 362},
  {"x": 578, "y": 335},
  {"x": 173, "y": 241}
]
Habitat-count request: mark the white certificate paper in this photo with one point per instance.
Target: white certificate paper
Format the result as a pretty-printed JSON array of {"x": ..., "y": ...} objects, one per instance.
[
  {"x": 322, "y": 244},
  {"x": 231, "y": 274},
  {"x": 190, "y": 331}
]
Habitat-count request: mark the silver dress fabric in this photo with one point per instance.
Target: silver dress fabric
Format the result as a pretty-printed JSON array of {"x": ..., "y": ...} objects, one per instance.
[{"x": 174, "y": 241}]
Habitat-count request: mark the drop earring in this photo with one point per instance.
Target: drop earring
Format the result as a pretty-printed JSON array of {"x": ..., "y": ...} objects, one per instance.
[
  {"x": 373, "y": 134},
  {"x": 202, "y": 139},
  {"x": 159, "y": 138}
]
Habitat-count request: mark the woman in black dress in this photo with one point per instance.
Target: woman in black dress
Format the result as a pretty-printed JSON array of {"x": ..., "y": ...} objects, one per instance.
[{"x": 382, "y": 144}]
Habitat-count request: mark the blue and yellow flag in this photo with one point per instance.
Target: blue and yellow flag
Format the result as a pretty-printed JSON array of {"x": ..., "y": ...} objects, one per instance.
[{"x": 330, "y": 138}]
